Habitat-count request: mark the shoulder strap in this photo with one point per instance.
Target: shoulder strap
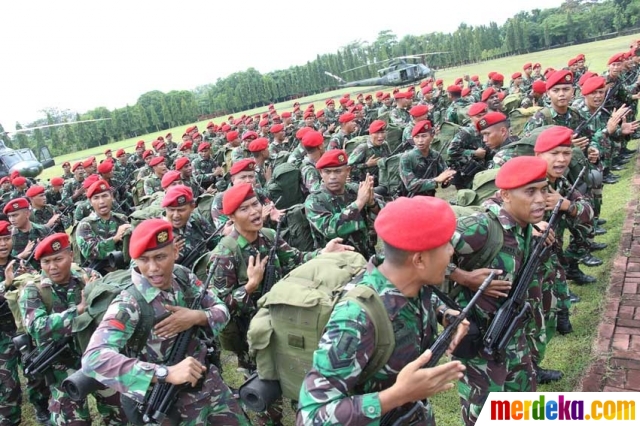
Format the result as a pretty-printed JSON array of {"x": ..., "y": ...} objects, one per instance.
[
  {"x": 147, "y": 317},
  {"x": 46, "y": 293},
  {"x": 495, "y": 241},
  {"x": 182, "y": 276},
  {"x": 546, "y": 112},
  {"x": 372, "y": 304}
]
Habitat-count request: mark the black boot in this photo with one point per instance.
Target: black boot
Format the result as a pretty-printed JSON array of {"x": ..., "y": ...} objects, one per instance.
[
  {"x": 576, "y": 275},
  {"x": 42, "y": 415},
  {"x": 600, "y": 221},
  {"x": 597, "y": 246},
  {"x": 563, "y": 322},
  {"x": 627, "y": 151},
  {"x": 590, "y": 260},
  {"x": 599, "y": 231},
  {"x": 544, "y": 376},
  {"x": 574, "y": 297}
]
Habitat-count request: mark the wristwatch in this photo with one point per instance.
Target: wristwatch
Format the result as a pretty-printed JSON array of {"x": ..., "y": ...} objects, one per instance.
[
  {"x": 161, "y": 374},
  {"x": 450, "y": 268}
]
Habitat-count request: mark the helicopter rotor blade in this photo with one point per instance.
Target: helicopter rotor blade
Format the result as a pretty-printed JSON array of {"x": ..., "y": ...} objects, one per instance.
[
  {"x": 27, "y": 129},
  {"x": 340, "y": 80}
]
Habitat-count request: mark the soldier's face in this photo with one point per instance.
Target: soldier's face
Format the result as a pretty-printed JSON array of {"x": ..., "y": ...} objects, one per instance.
[
  {"x": 526, "y": 204},
  {"x": 331, "y": 107},
  {"x": 179, "y": 216},
  {"x": 160, "y": 169},
  {"x": 186, "y": 171},
  {"x": 19, "y": 219},
  {"x": 205, "y": 153},
  {"x": 139, "y": 150},
  {"x": 248, "y": 217},
  {"x": 79, "y": 173},
  {"x": 244, "y": 177},
  {"x": 122, "y": 159},
  {"x": 6, "y": 245},
  {"x": 157, "y": 266},
  {"x": 335, "y": 178},
  {"x": 102, "y": 203},
  {"x": 422, "y": 141},
  {"x": 378, "y": 138},
  {"x": 6, "y": 186},
  {"x": 39, "y": 201},
  {"x": 595, "y": 99},
  {"x": 561, "y": 94},
  {"x": 66, "y": 169},
  {"x": 558, "y": 160},
  {"x": 309, "y": 121},
  {"x": 58, "y": 266},
  {"x": 494, "y": 136},
  {"x": 494, "y": 102}
]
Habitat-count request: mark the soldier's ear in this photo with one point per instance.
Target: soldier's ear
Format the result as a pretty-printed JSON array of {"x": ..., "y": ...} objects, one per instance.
[
  {"x": 505, "y": 195},
  {"x": 419, "y": 260}
]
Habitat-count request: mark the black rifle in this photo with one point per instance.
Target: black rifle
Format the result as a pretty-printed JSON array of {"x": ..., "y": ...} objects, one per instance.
[
  {"x": 516, "y": 310},
  {"x": 164, "y": 395},
  {"x": 428, "y": 171},
  {"x": 193, "y": 255},
  {"x": 38, "y": 363},
  {"x": 50, "y": 232},
  {"x": 412, "y": 413},
  {"x": 270, "y": 270}
]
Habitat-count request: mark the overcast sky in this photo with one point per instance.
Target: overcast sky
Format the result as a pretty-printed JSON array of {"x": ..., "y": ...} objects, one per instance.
[{"x": 84, "y": 54}]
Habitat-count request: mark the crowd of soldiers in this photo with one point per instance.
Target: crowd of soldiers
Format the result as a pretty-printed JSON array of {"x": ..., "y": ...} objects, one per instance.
[{"x": 206, "y": 202}]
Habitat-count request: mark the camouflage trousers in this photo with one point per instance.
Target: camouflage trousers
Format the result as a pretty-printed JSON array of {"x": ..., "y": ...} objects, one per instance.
[
  {"x": 10, "y": 392},
  {"x": 65, "y": 411},
  {"x": 483, "y": 376}
]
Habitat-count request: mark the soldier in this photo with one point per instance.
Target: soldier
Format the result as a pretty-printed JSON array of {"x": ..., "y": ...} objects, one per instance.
[
  {"x": 223, "y": 156},
  {"x": 347, "y": 131},
  {"x": 386, "y": 105},
  {"x": 516, "y": 83},
  {"x": 66, "y": 168},
  {"x": 523, "y": 191},
  {"x": 241, "y": 151},
  {"x": 417, "y": 113},
  {"x": 73, "y": 190},
  {"x": 154, "y": 251},
  {"x": 145, "y": 170},
  {"x": 25, "y": 233},
  {"x": 171, "y": 144},
  {"x": 5, "y": 189},
  {"x": 120, "y": 193},
  {"x": 421, "y": 169},
  {"x": 457, "y": 102},
  {"x": 527, "y": 79},
  {"x": 313, "y": 144},
  {"x": 90, "y": 165},
  {"x": 416, "y": 252},
  {"x": 364, "y": 158},
  {"x": 341, "y": 209},
  {"x": 152, "y": 183},
  {"x": 124, "y": 168},
  {"x": 48, "y": 324},
  {"x": 496, "y": 135},
  {"x": 497, "y": 82},
  {"x": 54, "y": 192},
  {"x": 537, "y": 72},
  {"x": 330, "y": 111},
  {"x": 41, "y": 212},
  {"x": 206, "y": 169},
  {"x": 535, "y": 95},
  {"x": 183, "y": 166},
  {"x": 491, "y": 97},
  {"x": 108, "y": 155},
  {"x": 102, "y": 232},
  {"x": 19, "y": 187},
  {"x": 279, "y": 141},
  {"x": 399, "y": 116},
  {"x": 189, "y": 227},
  {"x": 467, "y": 152},
  {"x": 138, "y": 157},
  {"x": 259, "y": 149}
]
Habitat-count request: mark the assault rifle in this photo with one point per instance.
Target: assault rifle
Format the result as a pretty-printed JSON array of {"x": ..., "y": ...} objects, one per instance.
[
  {"x": 194, "y": 254},
  {"x": 38, "y": 363},
  {"x": 270, "y": 269},
  {"x": 516, "y": 310},
  {"x": 164, "y": 395},
  {"x": 412, "y": 414}
]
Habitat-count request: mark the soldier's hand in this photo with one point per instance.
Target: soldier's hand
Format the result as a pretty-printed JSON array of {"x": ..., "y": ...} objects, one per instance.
[
  {"x": 364, "y": 193},
  {"x": 480, "y": 153},
  {"x": 28, "y": 249},
  {"x": 473, "y": 280},
  {"x": 552, "y": 199},
  {"x": 539, "y": 229},
  {"x": 415, "y": 383},
  {"x": 53, "y": 220},
  {"x": 189, "y": 370},
  {"x": 228, "y": 228},
  {"x": 255, "y": 272},
  {"x": 180, "y": 243},
  {"x": 580, "y": 142},
  {"x": 445, "y": 177},
  {"x": 629, "y": 128},
  {"x": 593, "y": 155},
  {"x": 179, "y": 320},
  {"x": 219, "y": 171},
  {"x": 336, "y": 245},
  {"x": 82, "y": 306},
  {"x": 121, "y": 231},
  {"x": 372, "y": 161},
  {"x": 461, "y": 330},
  {"x": 9, "y": 274},
  {"x": 275, "y": 214}
]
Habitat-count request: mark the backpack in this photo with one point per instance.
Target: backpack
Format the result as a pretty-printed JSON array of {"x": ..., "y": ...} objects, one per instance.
[
  {"x": 284, "y": 186},
  {"x": 519, "y": 117},
  {"x": 203, "y": 205},
  {"x": 291, "y": 319},
  {"x": 444, "y": 137},
  {"x": 280, "y": 158},
  {"x": 463, "y": 115},
  {"x": 352, "y": 143},
  {"x": 512, "y": 102},
  {"x": 394, "y": 136},
  {"x": 100, "y": 293},
  {"x": 75, "y": 248},
  {"x": 389, "y": 175},
  {"x": 296, "y": 229},
  {"x": 151, "y": 212}
]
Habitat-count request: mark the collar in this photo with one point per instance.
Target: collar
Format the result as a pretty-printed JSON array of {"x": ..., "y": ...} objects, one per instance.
[{"x": 148, "y": 291}]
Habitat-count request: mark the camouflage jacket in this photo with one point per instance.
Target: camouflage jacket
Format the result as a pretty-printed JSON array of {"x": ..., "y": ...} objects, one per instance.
[
  {"x": 43, "y": 215},
  {"x": 16, "y": 193},
  {"x": 152, "y": 184},
  {"x": 83, "y": 209},
  {"x": 413, "y": 171},
  {"x": 218, "y": 218},
  {"x": 53, "y": 198},
  {"x": 94, "y": 235},
  {"x": 584, "y": 210},
  {"x": 331, "y": 394},
  {"x": 297, "y": 156},
  {"x": 104, "y": 359},
  {"x": 239, "y": 153},
  {"x": 504, "y": 153},
  {"x": 463, "y": 145},
  {"x": 126, "y": 172},
  {"x": 196, "y": 231},
  {"x": 277, "y": 148},
  {"x": 70, "y": 187},
  {"x": 451, "y": 114},
  {"x": 338, "y": 140},
  {"x": 230, "y": 274},
  {"x": 332, "y": 216},
  {"x": 310, "y": 176},
  {"x": 549, "y": 116},
  {"x": 21, "y": 239},
  {"x": 400, "y": 117},
  {"x": 529, "y": 101},
  {"x": 596, "y": 130},
  {"x": 143, "y": 172},
  {"x": 361, "y": 154}
]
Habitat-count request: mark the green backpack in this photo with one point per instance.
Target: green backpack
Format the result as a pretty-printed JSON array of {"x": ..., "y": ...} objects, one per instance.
[
  {"x": 519, "y": 117},
  {"x": 291, "y": 319},
  {"x": 296, "y": 229},
  {"x": 389, "y": 175},
  {"x": 394, "y": 136},
  {"x": 151, "y": 212},
  {"x": 284, "y": 186},
  {"x": 512, "y": 102},
  {"x": 203, "y": 205},
  {"x": 352, "y": 143},
  {"x": 444, "y": 137}
]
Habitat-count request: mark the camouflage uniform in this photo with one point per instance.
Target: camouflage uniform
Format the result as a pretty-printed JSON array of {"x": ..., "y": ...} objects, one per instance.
[
  {"x": 529, "y": 101},
  {"x": 339, "y": 140},
  {"x": 203, "y": 169},
  {"x": 196, "y": 230},
  {"x": 297, "y": 156},
  {"x": 240, "y": 152},
  {"x": 46, "y": 326},
  {"x": 17, "y": 193},
  {"x": 276, "y": 148},
  {"x": 126, "y": 172},
  {"x": 484, "y": 374},
  {"x": 504, "y": 153},
  {"x": 218, "y": 218},
  {"x": 330, "y": 392},
  {"x": 21, "y": 239},
  {"x": 451, "y": 114},
  {"x": 152, "y": 184},
  {"x": 461, "y": 155},
  {"x": 413, "y": 171},
  {"x": 94, "y": 236},
  {"x": 70, "y": 187},
  {"x": 53, "y": 198},
  {"x": 332, "y": 216},
  {"x": 212, "y": 403},
  {"x": 400, "y": 117},
  {"x": 43, "y": 215},
  {"x": 361, "y": 154}
]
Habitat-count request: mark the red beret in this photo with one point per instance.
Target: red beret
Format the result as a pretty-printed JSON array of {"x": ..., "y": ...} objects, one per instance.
[
  {"x": 87, "y": 163},
  {"x": 18, "y": 181},
  {"x": 258, "y": 145},
  {"x": 146, "y": 154},
  {"x": 346, "y": 117},
  {"x": 368, "y": 97},
  {"x": 51, "y": 245},
  {"x": 204, "y": 146},
  {"x": 490, "y": 119},
  {"x": 580, "y": 57},
  {"x": 572, "y": 61},
  {"x": 4, "y": 180},
  {"x": 75, "y": 166},
  {"x": 454, "y": 88},
  {"x": 527, "y": 65},
  {"x": 377, "y": 126},
  {"x": 120, "y": 153},
  {"x": 559, "y": 77},
  {"x": 185, "y": 146},
  {"x": 379, "y": 94},
  {"x": 465, "y": 92},
  {"x": 105, "y": 167},
  {"x": 90, "y": 180},
  {"x": 618, "y": 57},
  {"x": 497, "y": 77},
  {"x": 478, "y": 108},
  {"x": 547, "y": 73},
  {"x": 15, "y": 205},
  {"x": 516, "y": 75},
  {"x": 263, "y": 123},
  {"x": 107, "y": 151},
  {"x": 320, "y": 113},
  {"x": 98, "y": 187},
  {"x": 177, "y": 196},
  {"x": 162, "y": 144},
  {"x": 385, "y": 96},
  {"x": 427, "y": 223},
  {"x": 587, "y": 75},
  {"x": 285, "y": 114},
  {"x": 140, "y": 144},
  {"x": 244, "y": 165},
  {"x": 237, "y": 121},
  {"x": 360, "y": 96},
  {"x": 423, "y": 83},
  {"x": 235, "y": 196},
  {"x": 521, "y": 171},
  {"x": 475, "y": 78},
  {"x": 487, "y": 93},
  {"x": 537, "y": 65},
  {"x": 552, "y": 137},
  {"x": 332, "y": 158},
  {"x": 14, "y": 174},
  {"x": 170, "y": 177},
  {"x": 225, "y": 128},
  {"x": 329, "y": 102},
  {"x": 65, "y": 164},
  {"x": 491, "y": 74},
  {"x": 57, "y": 181},
  {"x": 210, "y": 125},
  {"x": 151, "y": 234},
  {"x": 232, "y": 135},
  {"x": 249, "y": 135},
  {"x": 276, "y": 128},
  {"x": 312, "y": 139},
  {"x": 181, "y": 162},
  {"x": 403, "y": 95},
  {"x": 592, "y": 84},
  {"x": 302, "y": 131},
  {"x": 439, "y": 82},
  {"x": 343, "y": 101},
  {"x": 458, "y": 81},
  {"x": 156, "y": 160},
  {"x": 539, "y": 87},
  {"x": 419, "y": 110},
  {"x": 5, "y": 228},
  {"x": 421, "y": 127},
  {"x": 35, "y": 190}
]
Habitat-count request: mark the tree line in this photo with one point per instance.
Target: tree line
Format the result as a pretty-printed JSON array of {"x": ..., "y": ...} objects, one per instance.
[{"x": 575, "y": 21}]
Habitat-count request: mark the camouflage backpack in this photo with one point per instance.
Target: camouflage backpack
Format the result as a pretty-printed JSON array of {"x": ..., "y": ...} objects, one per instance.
[
  {"x": 296, "y": 229},
  {"x": 512, "y": 102},
  {"x": 518, "y": 118},
  {"x": 284, "y": 186},
  {"x": 389, "y": 176},
  {"x": 443, "y": 138},
  {"x": 291, "y": 319},
  {"x": 352, "y": 143}
]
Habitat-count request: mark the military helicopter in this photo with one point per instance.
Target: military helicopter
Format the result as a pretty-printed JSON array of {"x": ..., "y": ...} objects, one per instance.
[
  {"x": 24, "y": 160},
  {"x": 397, "y": 73}
]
